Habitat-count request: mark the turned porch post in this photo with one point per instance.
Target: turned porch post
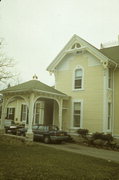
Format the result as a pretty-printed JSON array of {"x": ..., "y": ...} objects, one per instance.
[
  {"x": 60, "y": 114},
  {"x": 29, "y": 134}
]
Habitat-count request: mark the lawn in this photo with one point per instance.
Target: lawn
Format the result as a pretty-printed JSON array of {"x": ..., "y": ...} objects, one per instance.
[{"x": 21, "y": 161}]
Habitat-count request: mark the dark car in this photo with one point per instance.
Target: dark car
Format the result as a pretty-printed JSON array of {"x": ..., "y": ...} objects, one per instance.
[
  {"x": 12, "y": 129},
  {"x": 46, "y": 133}
]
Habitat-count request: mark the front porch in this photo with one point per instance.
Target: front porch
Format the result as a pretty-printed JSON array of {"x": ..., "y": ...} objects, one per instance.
[{"x": 32, "y": 106}]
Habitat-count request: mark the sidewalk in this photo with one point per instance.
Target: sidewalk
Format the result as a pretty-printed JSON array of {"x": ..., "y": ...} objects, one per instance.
[{"x": 89, "y": 151}]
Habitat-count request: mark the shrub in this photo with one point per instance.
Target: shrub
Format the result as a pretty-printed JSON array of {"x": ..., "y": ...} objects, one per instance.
[
  {"x": 97, "y": 135},
  {"x": 102, "y": 136},
  {"x": 107, "y": 137},
  {"x": 83, "y": 132}
]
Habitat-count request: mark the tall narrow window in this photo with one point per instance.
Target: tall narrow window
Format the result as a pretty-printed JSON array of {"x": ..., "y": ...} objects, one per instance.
[
  {"x": 109, "y": 78},
  {"x": 77, "y": 114},
  {"x": 10, "y": 113},
  {"x": 37, "y": 113},
  {"x": 109, "y": 116},
  {"x": 24, "y": 113},
  {"x": 78, "y": 79}
]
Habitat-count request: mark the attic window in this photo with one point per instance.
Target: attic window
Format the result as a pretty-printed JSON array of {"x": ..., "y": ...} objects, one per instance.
[{"x": 76, "y": 45}]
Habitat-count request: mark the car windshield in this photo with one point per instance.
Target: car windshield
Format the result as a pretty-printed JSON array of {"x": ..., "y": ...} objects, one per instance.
[
  {"x": 35, "y": 127},
  {"x": 53, "y": 128}
]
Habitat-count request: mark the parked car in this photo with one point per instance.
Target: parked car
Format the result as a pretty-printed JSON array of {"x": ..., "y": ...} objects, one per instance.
[
  {"x": 46, "y": 133},
  {"x": 12, "y": 129}
]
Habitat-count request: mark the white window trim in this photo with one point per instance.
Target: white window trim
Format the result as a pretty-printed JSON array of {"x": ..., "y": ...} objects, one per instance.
[
  {"x": 11, "y": 107},
  {"x": 25, "y": 112},
  {"x": 41, "y": 113},
  {"x": 73, "y": 83},
  {"x": 72, "y": 119},
  {"x": 105, "y": 104}
]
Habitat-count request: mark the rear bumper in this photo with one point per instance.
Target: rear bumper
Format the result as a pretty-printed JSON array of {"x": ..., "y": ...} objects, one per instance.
[{"x": 11, "y": 131}]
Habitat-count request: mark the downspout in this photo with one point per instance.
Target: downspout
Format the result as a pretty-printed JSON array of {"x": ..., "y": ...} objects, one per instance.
[{"x": 113, "y": 100}]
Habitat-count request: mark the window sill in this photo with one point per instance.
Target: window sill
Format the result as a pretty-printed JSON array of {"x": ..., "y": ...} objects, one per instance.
[
  {"x": 78, "y": 89},
  {"x": 109, "y": 131},
  {"x": 110, "y": 89},
  {"x": 75, "y": 128}
]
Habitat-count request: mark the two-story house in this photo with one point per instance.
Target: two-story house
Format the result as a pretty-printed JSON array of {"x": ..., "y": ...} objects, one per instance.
[{"x": 91, "y": 78}]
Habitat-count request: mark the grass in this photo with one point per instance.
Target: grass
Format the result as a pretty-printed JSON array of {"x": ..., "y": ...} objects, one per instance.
[{"x": 21, "y": 161}]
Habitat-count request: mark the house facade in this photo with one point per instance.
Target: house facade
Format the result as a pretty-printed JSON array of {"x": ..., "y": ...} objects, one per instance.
[
  {"x": 86, "y": 93},
  {"x": 91, "y": 78}
]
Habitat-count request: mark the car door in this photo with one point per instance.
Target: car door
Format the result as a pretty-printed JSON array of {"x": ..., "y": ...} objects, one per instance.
[{"x": 38, "y": 132}]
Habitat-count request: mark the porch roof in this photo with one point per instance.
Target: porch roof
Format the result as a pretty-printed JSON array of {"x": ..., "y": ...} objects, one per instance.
[{"x": 32, "y": 85}]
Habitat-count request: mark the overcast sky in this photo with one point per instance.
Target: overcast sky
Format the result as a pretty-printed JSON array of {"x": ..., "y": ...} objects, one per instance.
[{"x": 36, "y": 30}]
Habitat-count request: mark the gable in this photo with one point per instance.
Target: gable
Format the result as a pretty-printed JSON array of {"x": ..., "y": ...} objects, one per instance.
[
  {"x": 92, "y": 60},
  {"x": 76, "y": 59},
  {"x": 76, "y": 45},
  {"x": 64, "y": 64}
]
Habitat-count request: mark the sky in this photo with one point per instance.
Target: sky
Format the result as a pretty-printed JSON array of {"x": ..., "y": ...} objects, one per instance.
[{"x": 35, "y": 31}]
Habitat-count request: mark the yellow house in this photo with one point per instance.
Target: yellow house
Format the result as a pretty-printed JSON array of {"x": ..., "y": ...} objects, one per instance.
[
  {"x": 91, "y": 78},
  {"x": 86, "y": 93}
]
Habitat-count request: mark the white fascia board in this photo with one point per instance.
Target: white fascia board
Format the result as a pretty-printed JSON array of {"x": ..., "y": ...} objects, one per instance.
[
  {"x": 61, "y": 54},
  {"x": 36, "y": 90},
  {"x": 57, "y": 94},
  {"x": 52, "y": 67}
]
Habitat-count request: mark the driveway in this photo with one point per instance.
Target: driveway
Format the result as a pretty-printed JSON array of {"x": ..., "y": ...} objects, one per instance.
[{"x": 89, "y": 151}]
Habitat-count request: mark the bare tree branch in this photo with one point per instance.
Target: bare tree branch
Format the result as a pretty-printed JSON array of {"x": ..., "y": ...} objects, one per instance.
[{"x": 6, "y": 65}]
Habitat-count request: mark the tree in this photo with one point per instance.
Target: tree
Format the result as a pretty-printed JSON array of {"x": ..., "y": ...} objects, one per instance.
[{"x": 6, "y": 66}]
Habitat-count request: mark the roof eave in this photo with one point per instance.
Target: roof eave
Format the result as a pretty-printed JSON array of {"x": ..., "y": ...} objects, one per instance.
[
  {"x": 53, "y": 93},
  {"x": 35, "y": 90}
]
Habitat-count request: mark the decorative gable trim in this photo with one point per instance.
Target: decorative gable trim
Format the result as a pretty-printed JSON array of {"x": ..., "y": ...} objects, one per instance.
[
  {"x": 84, "y": 46},
  {"x": 76, "y": 50}
]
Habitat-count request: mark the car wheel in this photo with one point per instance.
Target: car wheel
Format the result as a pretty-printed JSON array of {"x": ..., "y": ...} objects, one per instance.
[
  {"x": 23, "y": 134},
  {"x": 46, "y": 139}
]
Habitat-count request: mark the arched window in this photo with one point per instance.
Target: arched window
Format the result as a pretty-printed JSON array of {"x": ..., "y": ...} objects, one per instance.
[
  {"x": 78, "y": 79},
  {"x": 76, "y": 45}
]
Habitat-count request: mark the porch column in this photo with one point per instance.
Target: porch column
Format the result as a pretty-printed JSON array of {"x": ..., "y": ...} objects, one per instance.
[
  {"x": 29, "y": 134},
  {"x": 60, "y": 114},
  {"x": 2, "y": 121},
  {"x": 105, "y": 100}
]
